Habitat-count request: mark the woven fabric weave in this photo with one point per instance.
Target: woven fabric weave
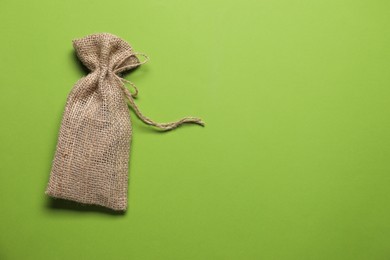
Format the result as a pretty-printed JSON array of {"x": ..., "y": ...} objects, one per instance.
[{"x": 90, "y": 164}]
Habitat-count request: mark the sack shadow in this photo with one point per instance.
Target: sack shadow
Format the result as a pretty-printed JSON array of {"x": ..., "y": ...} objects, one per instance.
[{"x": 65, "y": 205}]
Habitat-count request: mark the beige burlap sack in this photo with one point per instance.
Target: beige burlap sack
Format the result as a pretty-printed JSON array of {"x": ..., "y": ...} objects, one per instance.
[{"x": 91, "y": 159}]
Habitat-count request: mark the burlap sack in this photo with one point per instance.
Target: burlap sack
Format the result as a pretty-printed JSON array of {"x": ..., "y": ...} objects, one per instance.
[{"x": 91, "y": 159}]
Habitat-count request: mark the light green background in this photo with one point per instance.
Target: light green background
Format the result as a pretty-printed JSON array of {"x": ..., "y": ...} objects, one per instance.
[{"x": 292, "y": 164}]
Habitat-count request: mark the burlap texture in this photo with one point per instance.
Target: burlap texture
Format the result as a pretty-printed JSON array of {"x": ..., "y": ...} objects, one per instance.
[{"x": 92, "y": 154}]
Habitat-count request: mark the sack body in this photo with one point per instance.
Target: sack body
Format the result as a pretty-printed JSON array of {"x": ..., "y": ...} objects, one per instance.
[{"x": 90, "y": 164}]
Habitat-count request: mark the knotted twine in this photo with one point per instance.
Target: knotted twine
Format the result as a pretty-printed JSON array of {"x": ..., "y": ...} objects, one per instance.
[{"x": 90, "y": 164}]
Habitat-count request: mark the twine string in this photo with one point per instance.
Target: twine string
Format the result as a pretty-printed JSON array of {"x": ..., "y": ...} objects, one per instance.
[{"x": 130, "y": 97}]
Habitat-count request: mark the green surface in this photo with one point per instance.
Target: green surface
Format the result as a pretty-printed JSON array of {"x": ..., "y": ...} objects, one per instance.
[{"x": 292, "y": 164}]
